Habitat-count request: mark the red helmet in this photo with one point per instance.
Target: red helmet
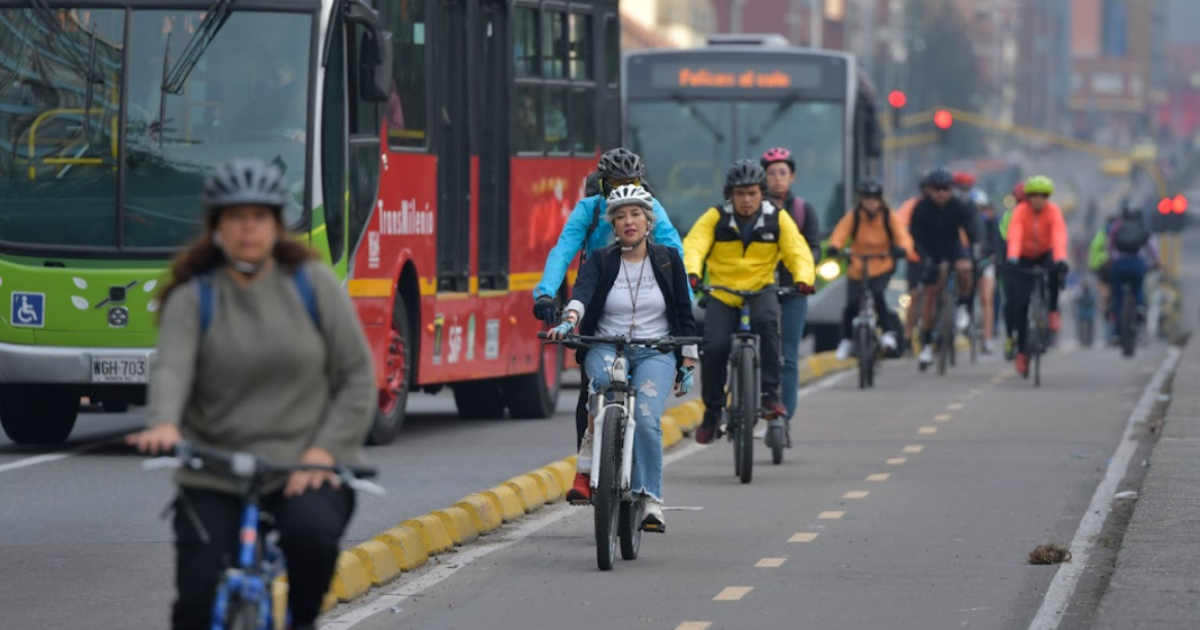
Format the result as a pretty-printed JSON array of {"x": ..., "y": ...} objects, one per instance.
[
  {"x": 778, "y": 154},
  {"x": 1019, "y": 191},
  {"x": 964, "y": 179}
]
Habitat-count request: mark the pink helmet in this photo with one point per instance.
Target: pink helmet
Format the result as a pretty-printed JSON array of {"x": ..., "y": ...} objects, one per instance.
[{"x": 778, "y": 154}]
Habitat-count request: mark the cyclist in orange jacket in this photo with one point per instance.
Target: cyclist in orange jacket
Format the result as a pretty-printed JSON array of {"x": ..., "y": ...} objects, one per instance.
[{"x": 1037, "y": 236}]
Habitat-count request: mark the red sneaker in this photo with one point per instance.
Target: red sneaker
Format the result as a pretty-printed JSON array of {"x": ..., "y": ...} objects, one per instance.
[
  {"x": 581, "y": 492},
  {"x": 1022, "y": 364},
  {"x": 1055, "y": 321}
]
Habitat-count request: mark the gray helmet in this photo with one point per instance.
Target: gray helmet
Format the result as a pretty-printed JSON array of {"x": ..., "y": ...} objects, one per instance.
[
  {"x": 869, "y": 188},
  {"x": 940, "y": 177},
  {"x": 245, "y": 181},
  {"x": 620, "y": 163},
  {"x": 745, "y": 173}
]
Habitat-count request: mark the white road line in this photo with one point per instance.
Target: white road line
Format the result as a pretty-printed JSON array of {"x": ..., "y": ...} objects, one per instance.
[
  {"x": 1058, "y": 596},
  {"x": 51, "y": 457},
  {"x": 450, "y": 565}
]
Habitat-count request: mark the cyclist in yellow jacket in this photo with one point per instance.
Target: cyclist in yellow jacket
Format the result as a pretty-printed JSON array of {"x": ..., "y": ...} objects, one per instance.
[{"x": 740, "y": 243}]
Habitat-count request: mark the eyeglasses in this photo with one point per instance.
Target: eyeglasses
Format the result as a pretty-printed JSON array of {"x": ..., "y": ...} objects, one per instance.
[
  {"x": 616, "y": 183},
  {"x": 940, "y": 188},
  {"x": 1041, "y": 195}
]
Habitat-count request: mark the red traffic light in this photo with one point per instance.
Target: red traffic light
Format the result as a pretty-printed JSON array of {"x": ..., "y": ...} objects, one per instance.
[
  {"x": 1179, "y": 204},
  {"x": 1165, "y": 206},
  {"x": 943, "y": 119},
  {"x": 897, "y": 99}
]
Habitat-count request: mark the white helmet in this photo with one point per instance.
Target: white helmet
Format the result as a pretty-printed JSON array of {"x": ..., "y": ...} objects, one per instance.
[
  {"x": 980, "y": 198},
  {"x": 629, "y": 195}
]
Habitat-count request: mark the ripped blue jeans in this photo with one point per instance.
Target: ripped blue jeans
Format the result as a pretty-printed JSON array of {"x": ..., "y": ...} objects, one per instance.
[{"x": 653, "y": 378}]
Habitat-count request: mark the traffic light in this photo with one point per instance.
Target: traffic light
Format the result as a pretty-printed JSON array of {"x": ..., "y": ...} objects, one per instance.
[
  {"x": 1172, "y": 213},
  {"x": 897, "y": 100},
  {"x": 943, "y": 120}
]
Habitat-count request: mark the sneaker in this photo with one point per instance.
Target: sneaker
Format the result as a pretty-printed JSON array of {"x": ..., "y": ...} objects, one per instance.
[
  {"x": 1055, "y": 321},
  {"x": 581, "y": 492},
  {"x": 845, "y": 347},
  {"x": 889, "y": 341},
  {"x": 988, "y": 346},
  {"x": 926, "y": 356},
  {"x": 583, "y": 461},
  {"x": 1010, "y": 349},
  {"x": 1021, "y": 363},
  {"x": 772, "y": 408},
  {"x": 707, "y": 431},
  {"x": 652, "y": 517},
  {"x": 963, "y": 319}
]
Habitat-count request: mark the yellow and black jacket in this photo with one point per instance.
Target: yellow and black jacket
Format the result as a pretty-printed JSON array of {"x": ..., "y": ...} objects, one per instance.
[{"x": 716, "y": 242}]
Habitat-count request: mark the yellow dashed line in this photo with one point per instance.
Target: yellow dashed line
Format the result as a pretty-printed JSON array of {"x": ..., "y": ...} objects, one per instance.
[
  {"x": 732, "y": 593},
  {"x": 914, "y": 448},
  {"x": 831, "y": 515},
  {"x": 954, "y": 406},
  {"x": 943, "y": 417},
  {"x": 896, "y": 461},
  {"x": 927, "y": 430},
  {"x": 879, "y": 477},
  {"x": 770, "y": 563},
  {"x": 694, "y": 625},
  {"x": 803, "y": 537},
  {"x": 856, "y": 494}
]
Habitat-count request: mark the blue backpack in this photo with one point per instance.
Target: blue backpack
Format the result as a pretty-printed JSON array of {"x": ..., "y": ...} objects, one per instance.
[{"x": 303, "y": 286}]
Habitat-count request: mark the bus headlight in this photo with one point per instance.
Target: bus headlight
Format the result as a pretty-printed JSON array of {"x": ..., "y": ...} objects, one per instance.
[{"x": 829, "y": 270}]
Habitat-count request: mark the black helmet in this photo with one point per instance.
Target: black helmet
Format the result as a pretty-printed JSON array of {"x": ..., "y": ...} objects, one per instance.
[
  {"x": 245, "y": 181},
  {"x": 745, "y": 173},
  {"x": 620, "y": 163},
  {"x": 940, "y": 177},
  {"x": 870, "y": 188}
]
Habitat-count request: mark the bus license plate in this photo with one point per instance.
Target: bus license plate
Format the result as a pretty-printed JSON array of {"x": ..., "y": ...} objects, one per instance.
[{"x": 119, "y": 369}]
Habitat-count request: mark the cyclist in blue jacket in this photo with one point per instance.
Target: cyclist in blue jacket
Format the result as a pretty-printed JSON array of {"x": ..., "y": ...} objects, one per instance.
[{"x": 586, "y": 232}]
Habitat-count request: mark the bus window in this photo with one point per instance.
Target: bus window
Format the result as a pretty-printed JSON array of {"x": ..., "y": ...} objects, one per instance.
[
  {"x": 581, "y": 47},
  {"x": 526, "y": 61},
  {"x": 612, "y": 51},
  {"x": 529, "y": 119},
  {"x": 583, "y": 120},
  {"x": 556, "y": 120},
  {"x": 554, "y": 44},
  {"x": 405, "y": 110}
]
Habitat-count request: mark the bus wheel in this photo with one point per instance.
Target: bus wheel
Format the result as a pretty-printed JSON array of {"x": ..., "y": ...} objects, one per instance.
[
  {"x": 38, "y": 414},
  {"x": 479, "y": 400},
  {"x": 535, "y": 396},
  {"x": 389, "y": 415}
]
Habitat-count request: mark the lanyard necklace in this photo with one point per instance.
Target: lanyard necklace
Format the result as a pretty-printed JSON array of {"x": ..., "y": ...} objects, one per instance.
[{"x": 633, "y": 292}]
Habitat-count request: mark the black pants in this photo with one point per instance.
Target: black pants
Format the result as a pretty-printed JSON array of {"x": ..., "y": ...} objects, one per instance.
[
  {"x": 720, "y": 323},
  {"x": 1020, "y": 292},
  {"x": 877, "y": 286},
  {"x": 309, "y": 525},
  {"x": 581, "y": 410}
]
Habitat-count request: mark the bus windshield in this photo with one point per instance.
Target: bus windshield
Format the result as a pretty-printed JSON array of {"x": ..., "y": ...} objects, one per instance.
[
  {"x": 75, "y": 117},
  {"x": 688, "y": 144}
]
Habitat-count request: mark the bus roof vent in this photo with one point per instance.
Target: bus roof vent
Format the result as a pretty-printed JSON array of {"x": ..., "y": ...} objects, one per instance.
[{"x": 748, "y": 39}]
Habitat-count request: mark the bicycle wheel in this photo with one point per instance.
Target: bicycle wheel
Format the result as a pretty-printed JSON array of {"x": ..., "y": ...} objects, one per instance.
[
  {"x": 1128, "y": 326},
  {"x": 777, "y": 441},
  {"x": 862, "y": 342},
  {"x": 242, "y": 615},
  {"x": 1086, "y": 331},
  {"x": 631, "y": 529},
  {"x": 945, "y": 331},
  {"x": 748, "y": 410},
  {"x": 607, "y": 494}
]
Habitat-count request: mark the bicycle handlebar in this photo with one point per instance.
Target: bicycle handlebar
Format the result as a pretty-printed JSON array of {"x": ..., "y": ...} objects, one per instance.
[
  {"x": 248, "y": 465},
  {"x": 709, "y": 288},
  {"x": 660, "y": 343},
  {"x": 1036, "y": 270}
]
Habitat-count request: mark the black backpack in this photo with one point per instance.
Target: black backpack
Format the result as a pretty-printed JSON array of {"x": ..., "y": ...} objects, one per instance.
[{"x": 1131, "y": 237}]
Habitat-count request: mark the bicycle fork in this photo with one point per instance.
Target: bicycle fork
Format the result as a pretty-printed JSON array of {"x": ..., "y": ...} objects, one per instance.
[{"x": 628, "y": 404}]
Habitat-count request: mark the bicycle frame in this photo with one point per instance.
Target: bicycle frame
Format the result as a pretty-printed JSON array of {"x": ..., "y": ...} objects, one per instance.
[{"x": 621, "y": 396}]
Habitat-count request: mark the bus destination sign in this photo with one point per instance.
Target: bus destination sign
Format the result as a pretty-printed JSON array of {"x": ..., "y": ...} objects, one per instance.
[{"x": 701, "y": 74}]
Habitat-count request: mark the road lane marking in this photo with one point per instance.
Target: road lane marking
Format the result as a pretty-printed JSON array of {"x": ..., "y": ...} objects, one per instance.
[
  {"x": 943, "y": 417},
  {"x": 954, "y": 406},
  {"x": 694, "y": 625},
  {"x": 803, "y": 537},
  {"x": 879, "y": 477},
  {"x": 831, "y": 515},
  {"x": 47, "y": 458},
  {"x": 927, "y": 430},
  {"x": 450, "y": 565},
  {"x": 1058, "y": 596},
  {"x": 732, "y": 593},
  {"x": 896, "y": 461},
  {"x": 856, "y": 494},
  {"x": 770, "y": 563},
  {"x": 914, "y": 448}
]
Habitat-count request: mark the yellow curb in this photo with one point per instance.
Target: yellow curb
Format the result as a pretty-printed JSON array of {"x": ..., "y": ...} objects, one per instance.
[
  {"x": 484, "y": 510},
  {"x": 511, "y": 507},
  {"x": 459, "y": 524},
  {"x": 433, "y": 533},
  {"x": 377, "y": 559},
  {"x": 406, "y": 547},
  {"x": 279, "y": 591},
  {"x": 528, "y": 491},
  {"x": 350, "y": 579},
  {"x": 687, "y": 416},
  {"x": 551, "y": 486},
  {"x": 565, "y": 471},
  {"x": 671, "y": 435},
  {"x": 328, "y": 603}
]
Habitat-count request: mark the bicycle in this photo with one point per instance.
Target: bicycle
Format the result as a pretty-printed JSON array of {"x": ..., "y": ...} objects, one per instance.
[
  {"x": 617, "y": 513},
  {"x": 1038, "y": 335},
  {"x": 745, "y": 386},
  {"x": 1085, "y": 314},
  {"x": 867, "y": 346},
  {"x": 1128, "y": 323},
  {"x": 944, "y": 324},
  {"x": 243, "y": 600}
]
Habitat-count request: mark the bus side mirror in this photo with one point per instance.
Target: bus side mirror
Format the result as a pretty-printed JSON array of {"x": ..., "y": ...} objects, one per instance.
[{"x": 374, "y": 53}]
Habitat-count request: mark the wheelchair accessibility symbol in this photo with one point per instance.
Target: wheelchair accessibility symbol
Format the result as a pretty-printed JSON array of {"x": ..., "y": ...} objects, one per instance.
[{"x": 28, "y": 309}]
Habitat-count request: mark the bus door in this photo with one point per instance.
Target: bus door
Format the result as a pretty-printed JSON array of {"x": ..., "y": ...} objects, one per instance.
[
  {"x": 453, "y": 147},
  {"x": 364, "y": 150},
  {"x": 492, "y": 98}
]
